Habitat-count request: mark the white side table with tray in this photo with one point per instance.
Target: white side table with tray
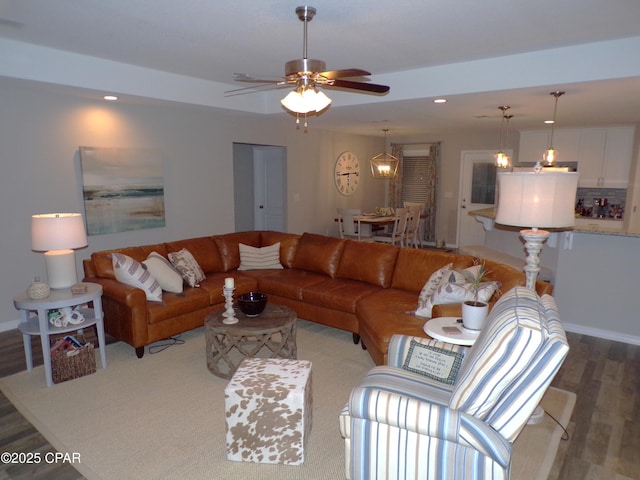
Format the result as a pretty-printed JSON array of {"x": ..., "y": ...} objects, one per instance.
[
  {"x": 450, "y": 330},
  {"x": 39, "y": 325}
]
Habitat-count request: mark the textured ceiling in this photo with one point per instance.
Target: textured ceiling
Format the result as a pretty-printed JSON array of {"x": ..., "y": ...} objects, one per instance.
[{"x": 409, "y": 44}]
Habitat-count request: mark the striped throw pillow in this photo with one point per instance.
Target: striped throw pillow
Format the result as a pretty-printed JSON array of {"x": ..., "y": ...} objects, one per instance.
[
  {"x": 131, "y": 272},
  {"x": 253, "y": 258}
]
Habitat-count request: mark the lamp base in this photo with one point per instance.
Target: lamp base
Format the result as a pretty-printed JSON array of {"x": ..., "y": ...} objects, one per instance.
[
  {"x": 533, "y": 238},
  {"x": 61, "y": 268}
]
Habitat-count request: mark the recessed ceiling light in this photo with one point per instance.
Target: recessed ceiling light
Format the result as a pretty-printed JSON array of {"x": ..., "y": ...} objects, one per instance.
[
  {"x": 111, "y": 98},
  {"x": 440, "y": 100},
  {"x": 549, "y": 121}
]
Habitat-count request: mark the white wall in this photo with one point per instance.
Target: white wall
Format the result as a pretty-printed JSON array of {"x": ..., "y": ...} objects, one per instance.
[{"x": 40, "y": 133}]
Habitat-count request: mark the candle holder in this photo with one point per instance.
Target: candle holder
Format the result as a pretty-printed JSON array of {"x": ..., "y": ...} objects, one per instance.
[{"x": 229, "y": 314}]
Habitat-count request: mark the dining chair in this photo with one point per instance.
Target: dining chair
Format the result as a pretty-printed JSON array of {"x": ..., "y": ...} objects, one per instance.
[
  {"x": 399, "y": 232},
  {"x": 349, "y": 226},
  {"x": 414, "y": 229}
]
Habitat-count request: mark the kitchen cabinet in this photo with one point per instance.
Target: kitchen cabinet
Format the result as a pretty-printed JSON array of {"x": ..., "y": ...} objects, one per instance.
[
  {"x": 603, "y": 154},
  {"x": 534, "y": 143}
]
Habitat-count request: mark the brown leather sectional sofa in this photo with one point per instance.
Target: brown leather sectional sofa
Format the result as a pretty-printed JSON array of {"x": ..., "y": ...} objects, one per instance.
[{"x": 369, "y": 289}]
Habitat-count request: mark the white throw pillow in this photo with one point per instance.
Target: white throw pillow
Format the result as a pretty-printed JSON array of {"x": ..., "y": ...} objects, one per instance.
[
  {"x": 435, "y": 280},
  {"x": 164, "y": 272},
  {"x": 188, "y": 267},
  {"x": 254, "y": 258},
  {"x": 131, "y": 272}
]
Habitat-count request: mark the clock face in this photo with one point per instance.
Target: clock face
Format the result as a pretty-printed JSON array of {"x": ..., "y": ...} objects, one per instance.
[{"x": 347, "y": 173}]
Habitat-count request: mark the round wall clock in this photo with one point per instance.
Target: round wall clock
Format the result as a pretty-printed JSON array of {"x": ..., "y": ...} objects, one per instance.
[{"x": 347, "y": 173}]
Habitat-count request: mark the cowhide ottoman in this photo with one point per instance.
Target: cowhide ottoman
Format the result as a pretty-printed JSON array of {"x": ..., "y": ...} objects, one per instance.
[{"x": 268, "y": 405}]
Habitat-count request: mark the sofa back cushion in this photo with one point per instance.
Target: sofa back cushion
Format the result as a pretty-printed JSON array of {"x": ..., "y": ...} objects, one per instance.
[
  {"x": 288, "y": 245},
  {"x": 204, "y": 251},
  {"x": 320, "y": 254},
  {"x": 368, "y": 262},
  {"x": 514, "y": 333},
  {"x": 228, "y": 247},
  {"x": 414, "y": 266},
  {"x": 103, "y": 264}
]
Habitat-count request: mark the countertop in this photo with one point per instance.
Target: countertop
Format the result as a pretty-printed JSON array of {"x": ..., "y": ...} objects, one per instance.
[{"x": 598, "y": 226}]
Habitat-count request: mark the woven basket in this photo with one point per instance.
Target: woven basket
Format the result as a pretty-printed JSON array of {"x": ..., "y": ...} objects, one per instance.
[{"x": 80, "y": 363}]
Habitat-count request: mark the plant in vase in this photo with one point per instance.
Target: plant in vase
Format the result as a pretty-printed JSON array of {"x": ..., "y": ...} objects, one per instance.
[{"x": 475, "y": 311}]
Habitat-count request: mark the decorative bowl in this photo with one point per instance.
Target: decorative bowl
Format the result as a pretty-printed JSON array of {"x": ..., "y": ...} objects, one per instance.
[{"x": 252, "y": 304}]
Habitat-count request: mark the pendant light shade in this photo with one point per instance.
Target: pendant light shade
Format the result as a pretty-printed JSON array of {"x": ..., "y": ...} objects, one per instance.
[
  {"x": 384, "y": 165},
  {"x": 551, "y": 154}
]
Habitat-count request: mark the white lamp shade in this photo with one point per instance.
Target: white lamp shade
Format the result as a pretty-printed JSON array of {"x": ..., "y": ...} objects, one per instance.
[
  {"x": 309, "y": 100},
  {"x": 57, "y": 231},
  {"x": 537, "y": 200}
]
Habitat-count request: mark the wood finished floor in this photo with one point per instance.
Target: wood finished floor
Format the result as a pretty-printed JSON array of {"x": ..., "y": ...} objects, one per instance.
[{"x": 604, "y": 429}]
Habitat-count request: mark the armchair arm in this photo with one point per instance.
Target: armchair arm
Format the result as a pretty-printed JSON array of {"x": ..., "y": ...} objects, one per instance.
[{"x": 397, "y": 416}]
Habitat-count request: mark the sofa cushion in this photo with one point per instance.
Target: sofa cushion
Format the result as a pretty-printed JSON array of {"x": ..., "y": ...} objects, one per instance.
[
  {"x": 514, "y": 332},
  {"x": 356, "y": 262},
  {"x": 259, "y": 258},
  {"x": 188, "y": 267},
  {"x": 289, "y": 283},
  {"x": 228, "y": 247},
  {"x": 337, "y": 293},
  {"x": 204, "y": 251},
  {"x": 164, "y": 272},
  {"x": 320, "y": 254},
  {"x": 132, "y": 273},
  {"x": 288, "y": 244},
  {"x": 414, "y": 266}
]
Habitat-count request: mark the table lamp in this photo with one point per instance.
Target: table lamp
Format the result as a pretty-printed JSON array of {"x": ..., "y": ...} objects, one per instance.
[
  {"x": 536, "y": 199},
  {"x": 57, "y": 234}
]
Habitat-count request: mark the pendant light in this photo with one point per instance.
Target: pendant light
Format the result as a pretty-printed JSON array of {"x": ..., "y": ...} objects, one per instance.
[
  {"x": 384, "y": 165},
  {"x": 502, "y": 159},
  {"x": 551, "y": 154}
]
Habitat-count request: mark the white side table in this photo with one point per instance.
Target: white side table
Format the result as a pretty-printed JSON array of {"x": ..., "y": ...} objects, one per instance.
[
  {"x": 435, "y": 329},
  {"x": 40, "y": 325}
]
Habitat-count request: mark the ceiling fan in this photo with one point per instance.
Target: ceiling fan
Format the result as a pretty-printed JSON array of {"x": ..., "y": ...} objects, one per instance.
[{"x": 306, "y": 73}]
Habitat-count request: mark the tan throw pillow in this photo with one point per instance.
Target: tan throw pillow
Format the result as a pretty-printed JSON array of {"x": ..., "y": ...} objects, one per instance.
[
  {"x": 264, "y": 258},
  {"x": 131, "y": 272},
  {"x": 164, "y": 272},
  {"x": 187, "y": 266}
]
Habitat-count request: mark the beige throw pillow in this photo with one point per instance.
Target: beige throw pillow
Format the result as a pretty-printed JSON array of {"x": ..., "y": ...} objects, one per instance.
[
  {"x": 164, "y": 272},
  {"x": 188, "y": 267},
  {"x": 264, "y": 258}
]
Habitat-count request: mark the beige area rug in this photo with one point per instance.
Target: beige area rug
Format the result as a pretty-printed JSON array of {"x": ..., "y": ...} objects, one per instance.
[{"x": 162, "y": 416}]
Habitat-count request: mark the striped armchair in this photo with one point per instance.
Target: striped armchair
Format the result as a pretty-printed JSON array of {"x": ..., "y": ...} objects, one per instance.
[{"x": 458, "y": 417}]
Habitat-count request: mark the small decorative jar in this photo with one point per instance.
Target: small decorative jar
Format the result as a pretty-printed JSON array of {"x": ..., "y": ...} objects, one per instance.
[{"x": 38, "y": 290}]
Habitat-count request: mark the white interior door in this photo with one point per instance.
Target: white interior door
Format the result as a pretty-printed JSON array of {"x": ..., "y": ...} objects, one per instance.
[{"x": 477, "y": 191}]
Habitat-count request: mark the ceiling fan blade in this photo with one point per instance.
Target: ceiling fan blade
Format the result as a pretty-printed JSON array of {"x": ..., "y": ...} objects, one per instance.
[
  {"x": 243, "y": 77},
  {"x": 367, "y": 87},
  {"x": 254, "y": 89},
  {"x": 349, "y": 72}
]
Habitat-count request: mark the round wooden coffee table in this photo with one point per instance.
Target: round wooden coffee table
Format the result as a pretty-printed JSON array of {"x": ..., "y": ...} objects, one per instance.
[{"x": 272, "y": 334}]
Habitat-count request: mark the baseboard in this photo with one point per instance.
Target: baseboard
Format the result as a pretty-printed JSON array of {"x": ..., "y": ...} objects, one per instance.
[
  {"x": 600, "y": 333},
  {"x": 10, "y": 325}
]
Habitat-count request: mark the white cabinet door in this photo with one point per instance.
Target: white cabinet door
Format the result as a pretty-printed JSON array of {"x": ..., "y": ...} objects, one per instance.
[
  {"x": 618, "y": 152},
  {"x": 533, "y": 144},
  {"x": 592, "y": 144}
]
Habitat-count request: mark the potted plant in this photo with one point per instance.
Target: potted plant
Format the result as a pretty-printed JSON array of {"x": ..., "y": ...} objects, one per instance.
[{"x": 474, "y": 312}]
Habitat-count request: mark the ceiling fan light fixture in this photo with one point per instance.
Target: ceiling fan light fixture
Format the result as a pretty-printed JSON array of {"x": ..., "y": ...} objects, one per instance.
[{"x": 305, "y": 100}]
